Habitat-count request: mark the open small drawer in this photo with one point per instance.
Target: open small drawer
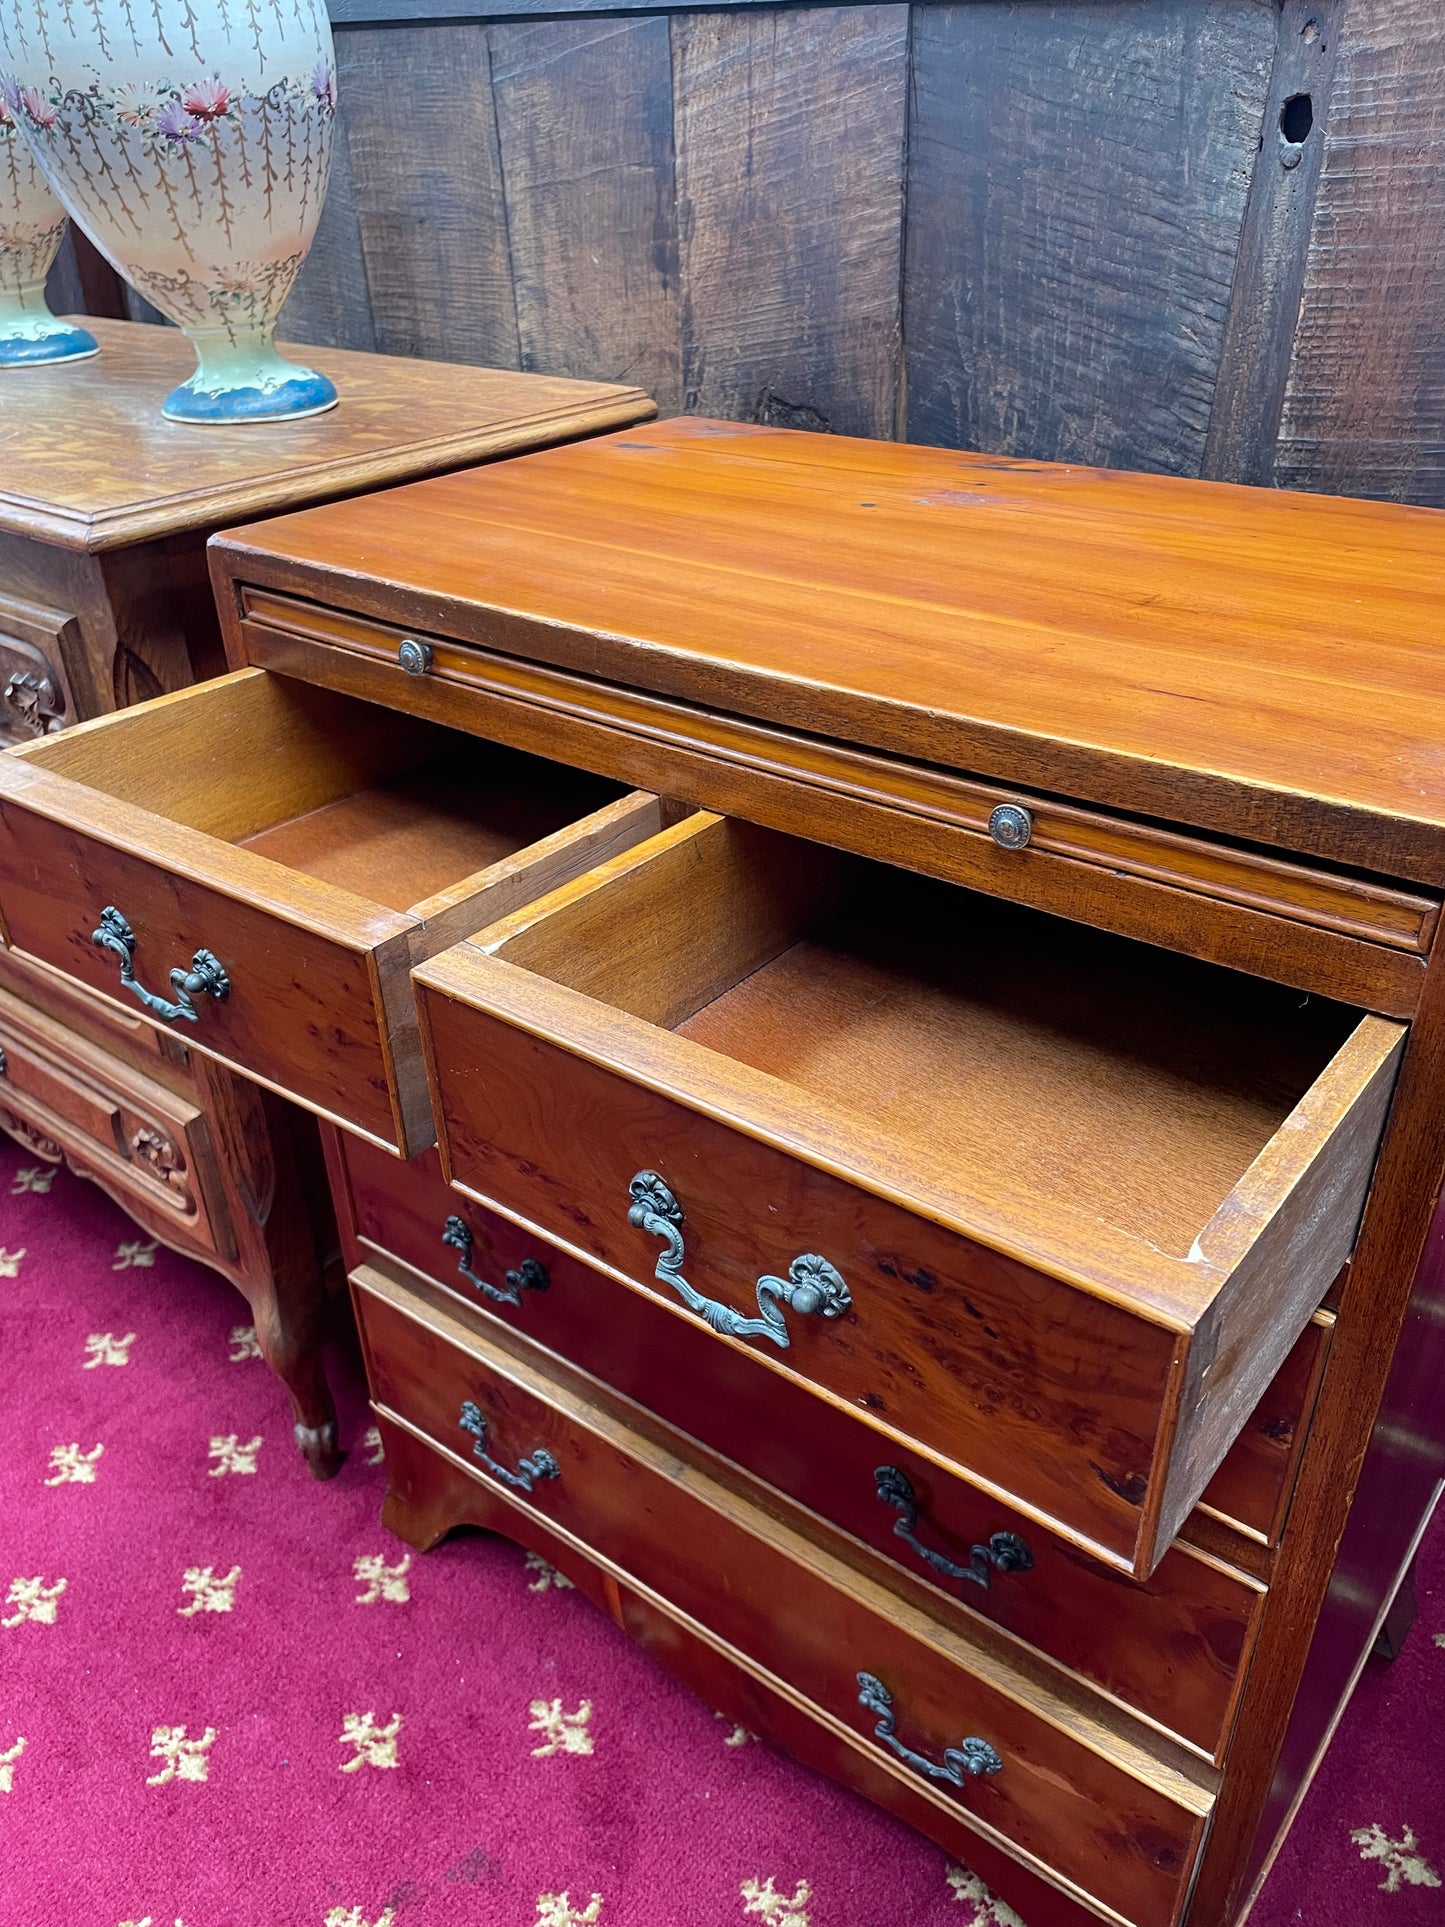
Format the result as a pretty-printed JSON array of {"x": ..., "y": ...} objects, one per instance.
[
  {"x": 256, "y": 864},
  {"x": 1049, "y": 1206}
]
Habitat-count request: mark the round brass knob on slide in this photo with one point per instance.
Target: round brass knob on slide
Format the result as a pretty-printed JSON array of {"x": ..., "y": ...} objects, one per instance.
[{"x": 414, "y": 656}]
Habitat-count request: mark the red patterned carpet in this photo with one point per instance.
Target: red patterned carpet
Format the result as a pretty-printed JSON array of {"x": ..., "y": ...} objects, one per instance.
[{"x": 229, "y": 1699}]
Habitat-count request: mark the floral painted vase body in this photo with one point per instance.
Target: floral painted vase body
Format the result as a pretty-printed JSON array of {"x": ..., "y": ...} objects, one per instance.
[
  {"x": 191, "y": 139},
  {"x": 32, "y": 226}
]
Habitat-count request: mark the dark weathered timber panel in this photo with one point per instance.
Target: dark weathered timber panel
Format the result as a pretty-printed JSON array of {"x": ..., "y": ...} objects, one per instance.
[
  {"x": 1078, "y": 175},
  {"x": 137, "y": 308},
  {"x": 584, "y": 118},
  {"x": 331, "y": 303},
  {"x": 1269, "y": 275},
  {"x": 790, "y": 134},
  {"x": 427, "y": 182},
  {"x": 63, "y": 292},
  {"x": 1364, "y": 411},
  {"x": 82, "y": 281}
]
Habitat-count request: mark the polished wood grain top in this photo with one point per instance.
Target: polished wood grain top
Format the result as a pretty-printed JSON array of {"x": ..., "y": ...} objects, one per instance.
[
  {"x": 1258, "y": 663},
  {"x": 88, "y": 462}
]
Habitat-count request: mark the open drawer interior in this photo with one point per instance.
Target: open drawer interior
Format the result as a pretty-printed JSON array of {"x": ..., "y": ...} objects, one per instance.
[
  {"x": 1100, "y": 1173},
  {"x": 308, "y": 848},
  {"x": 1032, "y": 1055},
  {"x": 402, "y": 812}
]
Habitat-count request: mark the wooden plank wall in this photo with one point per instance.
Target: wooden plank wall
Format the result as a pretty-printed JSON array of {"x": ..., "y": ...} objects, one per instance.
[
  {"x": 987, "y": 224},
  {"x": 1364, "y": 410},
  {"x": 1078, "y": 180},
  {"x": 1194, "y": 236}
]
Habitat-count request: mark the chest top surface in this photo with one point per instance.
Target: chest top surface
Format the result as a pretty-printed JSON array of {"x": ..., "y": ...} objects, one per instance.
[
  {"x": 1258, "y": 663},
  {"x": 88, "y": 462}
]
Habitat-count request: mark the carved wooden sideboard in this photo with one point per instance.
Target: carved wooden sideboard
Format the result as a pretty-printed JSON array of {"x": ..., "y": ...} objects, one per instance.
[
  {"x": 922, "y": 971},
  {"x": 105, "y": 510}
]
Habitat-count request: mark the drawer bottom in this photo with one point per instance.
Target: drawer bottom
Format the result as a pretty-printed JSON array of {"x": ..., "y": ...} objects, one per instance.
[{"x": 1081, "y": 1809}]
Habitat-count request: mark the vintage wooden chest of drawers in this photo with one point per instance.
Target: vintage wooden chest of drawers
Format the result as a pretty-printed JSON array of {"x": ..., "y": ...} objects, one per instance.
[{"x": 922, "y": 973}]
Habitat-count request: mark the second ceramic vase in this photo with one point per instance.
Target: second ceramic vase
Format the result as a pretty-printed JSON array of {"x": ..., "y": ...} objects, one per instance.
[
  {"x": 32, "y": 226},
  {"x": 192, "y": 141}
]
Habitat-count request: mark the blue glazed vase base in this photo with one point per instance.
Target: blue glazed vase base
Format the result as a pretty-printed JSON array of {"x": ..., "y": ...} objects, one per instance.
[
  {"x": 43, "y": 350},
  {"x": 304, "y": 393}
]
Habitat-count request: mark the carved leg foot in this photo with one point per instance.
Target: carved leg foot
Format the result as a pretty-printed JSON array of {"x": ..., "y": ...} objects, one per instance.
[
  {"x": 289, "y": 1332},
  {"x": 268, "y": 1157},
  {"x": 317, "y": 1444},
  {"x": 302, "y": 1372}
]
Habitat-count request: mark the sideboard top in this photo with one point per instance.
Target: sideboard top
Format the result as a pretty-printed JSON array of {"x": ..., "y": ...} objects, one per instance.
[
  {"x": 88, "y": 462},
  {"x": 1264, "y": 664}
]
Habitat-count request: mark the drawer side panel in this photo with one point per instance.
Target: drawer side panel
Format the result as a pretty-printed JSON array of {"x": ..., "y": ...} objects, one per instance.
[{"x": 1281, "y": 1237}]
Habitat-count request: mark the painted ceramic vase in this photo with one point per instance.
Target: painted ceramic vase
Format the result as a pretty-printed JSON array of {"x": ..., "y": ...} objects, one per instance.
[
  {"x": 32, "y": 226},
  {"x": 191, "y": 139}
]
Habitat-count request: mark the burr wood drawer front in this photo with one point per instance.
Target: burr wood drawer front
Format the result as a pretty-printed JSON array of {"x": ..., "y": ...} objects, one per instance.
[
  {"x": 1038, "y": 1762},
  {"x": 1174, "y": 1647},
  {"x": 1324, "y": 930},
  {"x": 68, "y": 1099},
  {"x": 254, "y": 865},
  {"x": 1050, "y": 1207}
]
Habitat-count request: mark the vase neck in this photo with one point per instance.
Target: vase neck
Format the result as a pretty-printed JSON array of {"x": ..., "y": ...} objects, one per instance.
[
  {"x": 22, "y": 301},
  {"x": 233, "y": 356}
]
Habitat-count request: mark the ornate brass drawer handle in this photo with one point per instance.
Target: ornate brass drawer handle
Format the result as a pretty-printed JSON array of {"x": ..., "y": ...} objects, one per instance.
[
  {"x": 812, "y": 1285},
  {"x": 539, "y": 1465},
  {"x": 967, "y": 1761},
  {"x": 1005, "y": 1551},
  {"x": 530, "y": 1275},
  {"x": 204, "y": 978}
]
